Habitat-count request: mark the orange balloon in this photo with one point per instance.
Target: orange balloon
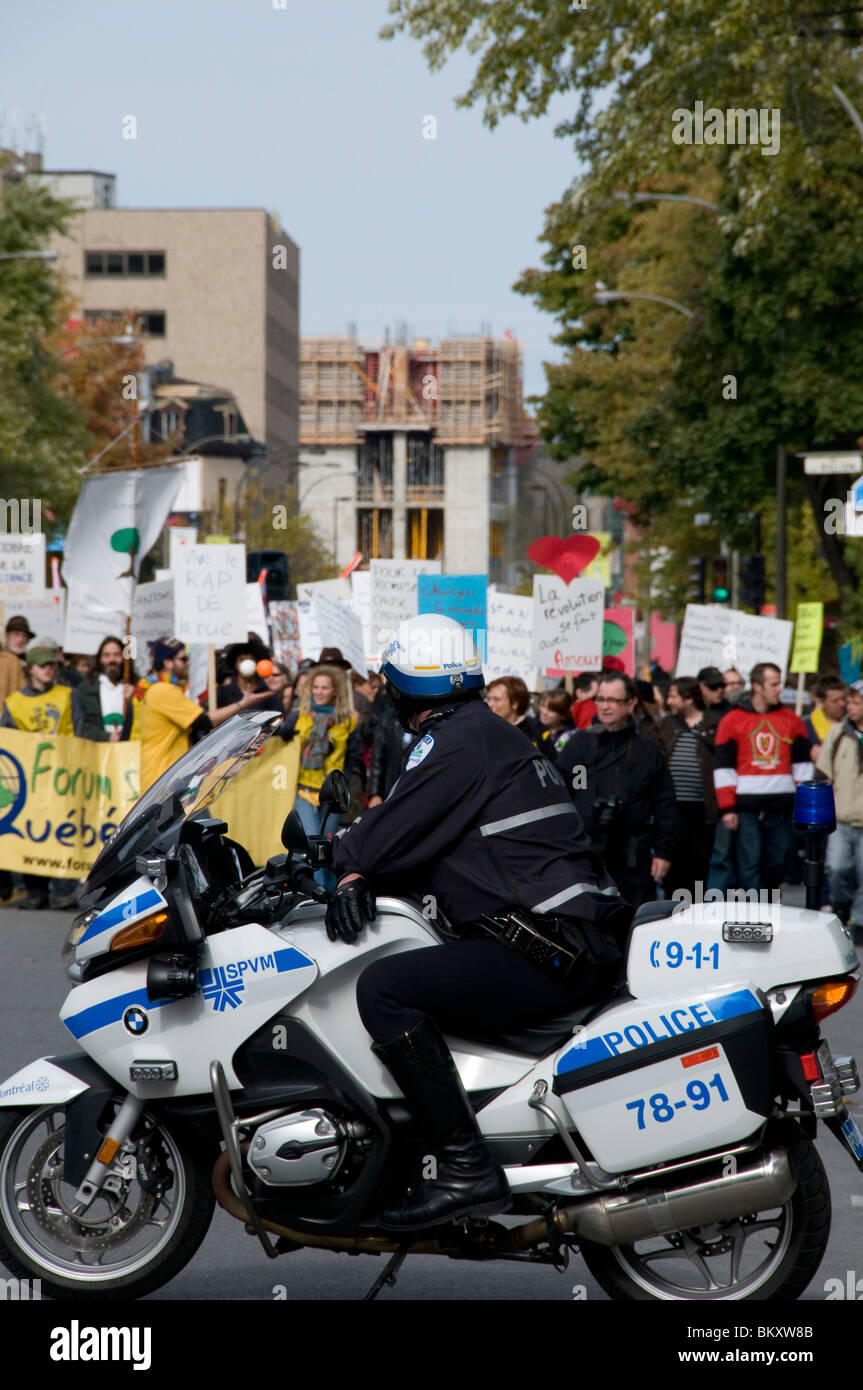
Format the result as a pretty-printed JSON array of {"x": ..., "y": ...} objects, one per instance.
[{"x": 265, "y": 668}]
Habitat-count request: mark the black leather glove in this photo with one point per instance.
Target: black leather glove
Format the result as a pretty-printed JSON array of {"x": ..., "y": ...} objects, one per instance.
[{"x": 350, "y": 909}]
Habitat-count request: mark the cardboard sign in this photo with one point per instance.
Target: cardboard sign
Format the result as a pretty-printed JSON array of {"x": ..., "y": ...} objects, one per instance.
[
  {"x": 808, "y": 631},
  {"x": 567, "y": 623},
  {"x": 339, "y": 626},
  {"x": 361, "y": 597},
  {"x": 663, "y": 641},
  {"x": 510, "y": 638},
  {"x": 394, "y": 595},
  {"x": 86, "y": 626},
  {"x": 310, "y": 636},
  {"x": 619, "y": 636},
  {"x": 178, "y": 538},
  {"x": 256, "y": 617},
  {"x": 210, "y": 594},
  {"x": 22, "y": 569},
  {"x": 714, "y": 635},
  {"x": 152, "y": 616},
  {"x": 461, "y": 597}
]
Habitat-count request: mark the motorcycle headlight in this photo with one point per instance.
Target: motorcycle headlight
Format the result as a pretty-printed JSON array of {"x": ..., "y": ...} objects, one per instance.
[{"x": 76, "y": 932}]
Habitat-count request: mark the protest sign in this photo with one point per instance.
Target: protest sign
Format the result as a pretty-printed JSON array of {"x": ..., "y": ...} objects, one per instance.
[
  {"x": 394, "y": 595},
  {"x": 808, "y": 631},
  {"x": 285, "y": 627},
  {"x": 714, "y": 635},
  {"x": 618, "y": 637},
  {"x": 510, "y": 645},
  {"x": 663, "y": 641},
  {"x": 61, "y": 798},
  {"x": 210, "y": 594},
  {"x": 22, "y": 569},
  {"x": 152, "y": 617},
  {"x": 256, "y": 617},
  {"x": 600, "y": 567},
  {"x": 567, "y": 623},
  {"x": 361, "y": 597},
  {"x": 461, "y": 597},
  {"x": 86, "y": 625},
  {"x": 46, "y": 615},
  {"x": 310, "y": 637},
  {"x": 851, "y": 660},
  {"x": 339, "y": 626},
  {"x": 333, "y": 588}
]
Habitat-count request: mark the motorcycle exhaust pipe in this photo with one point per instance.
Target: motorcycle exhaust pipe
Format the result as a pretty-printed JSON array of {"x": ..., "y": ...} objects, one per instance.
[{"x": 621, "y": 1219}]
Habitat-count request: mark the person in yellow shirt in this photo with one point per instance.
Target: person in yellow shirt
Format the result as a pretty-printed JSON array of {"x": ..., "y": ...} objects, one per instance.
[
  {"x": 170, "y": 720},
  {"x": 43, "y": 706}
]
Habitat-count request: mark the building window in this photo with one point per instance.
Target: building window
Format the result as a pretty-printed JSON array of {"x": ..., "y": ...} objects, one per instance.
[
  {"x": 124, "y": 263},
  {"x": 425, "y": 533},
  {"x": 375, "y": 533},
  {"x": 375, "y": 468},
  {"x": 425, "y": 469},
  {"x": 149, "y": 324}
]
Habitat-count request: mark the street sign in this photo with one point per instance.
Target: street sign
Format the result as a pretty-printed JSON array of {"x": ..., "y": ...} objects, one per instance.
[{"x": 814, "y": 464}]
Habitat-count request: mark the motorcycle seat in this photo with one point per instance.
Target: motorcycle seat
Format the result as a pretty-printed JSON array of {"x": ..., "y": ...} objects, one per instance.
[{"x": 543, "y": 1038}]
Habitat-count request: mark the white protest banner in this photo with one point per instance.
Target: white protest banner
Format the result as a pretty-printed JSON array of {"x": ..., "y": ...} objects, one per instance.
[
  {"x": 210, "y": 594},
  {"x": 22, "y": 569},
  {"x": 510, "y": 637},
  {"x": 285, "y": 627},
  {"x": 333, "y": 588},
  {"x": 46, "y": 616},
  {"x": 178, "y": 537},
  {"x": 567, "y": 623},
  {"x": 360, "y": 585},
  {"x": 394, "y": 595},
  {"x": 256, "y": 617},
  {"x": 86, "y": 626},
  {"x": 310, "y": 637},
  {"x": 339, "y": 625},
  {"x": 714, "y": 635},
  {"x": 152, "y": 616}
]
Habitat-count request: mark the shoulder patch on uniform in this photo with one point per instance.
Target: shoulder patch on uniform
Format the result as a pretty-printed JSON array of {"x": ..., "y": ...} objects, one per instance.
[{"x": 422, "y": 750}]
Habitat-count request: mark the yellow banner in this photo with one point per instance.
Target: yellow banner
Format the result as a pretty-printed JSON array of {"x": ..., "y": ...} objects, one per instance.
[
  {"x": 62, "y": 798},
  {"x": 807, "y": 638},
  {"x": 600, "y": 568}
]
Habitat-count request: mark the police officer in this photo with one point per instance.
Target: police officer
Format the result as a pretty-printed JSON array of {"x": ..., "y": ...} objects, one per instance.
[{"x": 483, "y": 821}]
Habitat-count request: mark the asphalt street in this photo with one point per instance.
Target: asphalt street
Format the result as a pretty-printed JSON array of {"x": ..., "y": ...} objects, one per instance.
[{"x": 231, "y": 1265}]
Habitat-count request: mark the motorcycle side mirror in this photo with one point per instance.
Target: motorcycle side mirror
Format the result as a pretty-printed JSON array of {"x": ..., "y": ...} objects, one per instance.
[
  {"x": 294, "y": 833},
  {"x": 335, "y": 792}
]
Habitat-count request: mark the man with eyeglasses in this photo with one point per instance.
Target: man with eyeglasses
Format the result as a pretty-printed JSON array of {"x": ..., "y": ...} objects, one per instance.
[
  {"x": 171, "y": 719},
  {"x": 623, "y": 792}
]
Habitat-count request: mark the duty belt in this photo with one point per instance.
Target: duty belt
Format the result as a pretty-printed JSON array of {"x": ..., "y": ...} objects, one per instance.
[{"x": 517, "y": 932}]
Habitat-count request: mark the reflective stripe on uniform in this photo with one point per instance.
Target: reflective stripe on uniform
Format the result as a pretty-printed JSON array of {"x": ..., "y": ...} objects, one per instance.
[
  {"x": 496, "y": 827},
  {"x": 573, "y": 892}
]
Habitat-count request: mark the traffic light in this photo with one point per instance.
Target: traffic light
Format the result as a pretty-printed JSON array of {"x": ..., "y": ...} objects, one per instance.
[
  {"x": 720, "y": 593},
  {"x": 697, "y": 579},
  {"x": 752, "y": 586}
]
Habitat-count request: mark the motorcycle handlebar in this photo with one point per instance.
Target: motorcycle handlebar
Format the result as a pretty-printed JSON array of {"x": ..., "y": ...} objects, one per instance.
[{"x": 305, "y": 883}]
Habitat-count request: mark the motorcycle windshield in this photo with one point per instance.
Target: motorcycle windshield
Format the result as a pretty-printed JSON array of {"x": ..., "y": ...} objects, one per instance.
[{"x": 193, "y": 782}]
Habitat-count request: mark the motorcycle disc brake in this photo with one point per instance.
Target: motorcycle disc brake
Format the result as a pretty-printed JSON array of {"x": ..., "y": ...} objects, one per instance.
[{"x": 79, "y": 1231}]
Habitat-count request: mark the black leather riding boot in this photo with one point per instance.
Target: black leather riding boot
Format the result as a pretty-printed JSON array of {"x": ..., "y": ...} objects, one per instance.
[{"x": 468, "y": 1179}]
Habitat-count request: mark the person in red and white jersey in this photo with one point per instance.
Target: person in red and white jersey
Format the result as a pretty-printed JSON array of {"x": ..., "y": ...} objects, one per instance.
[{"x": 761, "y": 753}]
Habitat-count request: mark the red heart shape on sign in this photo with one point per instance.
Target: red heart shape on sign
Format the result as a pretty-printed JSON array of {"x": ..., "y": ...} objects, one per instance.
[{"x": 566, "y": 558}]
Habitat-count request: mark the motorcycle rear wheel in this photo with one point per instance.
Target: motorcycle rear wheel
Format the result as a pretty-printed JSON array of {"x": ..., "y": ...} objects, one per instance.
[
  {"x": 727, "y": 1261},
  {"x": 125, "y": 1245}
]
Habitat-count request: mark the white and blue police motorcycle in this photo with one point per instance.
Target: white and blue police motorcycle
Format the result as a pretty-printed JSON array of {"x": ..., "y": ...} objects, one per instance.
[{"x": 665, "y": 1133}]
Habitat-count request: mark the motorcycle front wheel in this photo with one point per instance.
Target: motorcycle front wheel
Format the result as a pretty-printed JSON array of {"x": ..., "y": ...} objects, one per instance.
[
  {"x": 127, "y": 1243},
  {"x": 766, "y": 1255}
]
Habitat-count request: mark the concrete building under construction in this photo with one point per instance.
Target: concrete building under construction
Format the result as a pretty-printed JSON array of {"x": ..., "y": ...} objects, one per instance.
[{"x": 412, "y": 451}]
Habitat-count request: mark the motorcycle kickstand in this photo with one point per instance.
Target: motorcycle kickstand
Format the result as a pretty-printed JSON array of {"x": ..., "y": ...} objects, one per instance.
[{"x": 388, "y": 1274}]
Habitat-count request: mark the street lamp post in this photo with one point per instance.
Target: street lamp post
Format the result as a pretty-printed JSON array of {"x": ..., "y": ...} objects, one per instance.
[{"x": 28, "y": 256}]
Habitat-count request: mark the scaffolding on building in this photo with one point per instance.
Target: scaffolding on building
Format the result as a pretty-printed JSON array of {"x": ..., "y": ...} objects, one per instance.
[{"x": 466, "y": 390}]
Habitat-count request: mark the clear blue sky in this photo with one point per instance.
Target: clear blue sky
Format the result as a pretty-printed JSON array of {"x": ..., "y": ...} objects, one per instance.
[{"x": 304, "y": 111}]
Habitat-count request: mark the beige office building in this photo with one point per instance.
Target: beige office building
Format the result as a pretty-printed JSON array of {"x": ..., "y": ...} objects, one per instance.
[{"x": 215, "y": 291}]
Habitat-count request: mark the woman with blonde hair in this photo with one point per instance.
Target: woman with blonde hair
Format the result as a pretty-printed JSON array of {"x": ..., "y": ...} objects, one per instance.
[{"x": 324, "y": 723}]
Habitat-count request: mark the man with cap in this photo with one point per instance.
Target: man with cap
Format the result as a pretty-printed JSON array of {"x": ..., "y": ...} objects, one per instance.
[
  {"x": 712, "y": 683},
  {"x": 42, "y": 706},
  {"x": 170, "y": 719}
]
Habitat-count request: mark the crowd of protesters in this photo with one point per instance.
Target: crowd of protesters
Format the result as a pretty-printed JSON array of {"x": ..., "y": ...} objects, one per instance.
[{"x": 686, "y": 785}]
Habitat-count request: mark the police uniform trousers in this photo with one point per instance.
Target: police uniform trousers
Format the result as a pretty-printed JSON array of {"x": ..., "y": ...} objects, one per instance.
[{"x": 471, "y": 988}]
